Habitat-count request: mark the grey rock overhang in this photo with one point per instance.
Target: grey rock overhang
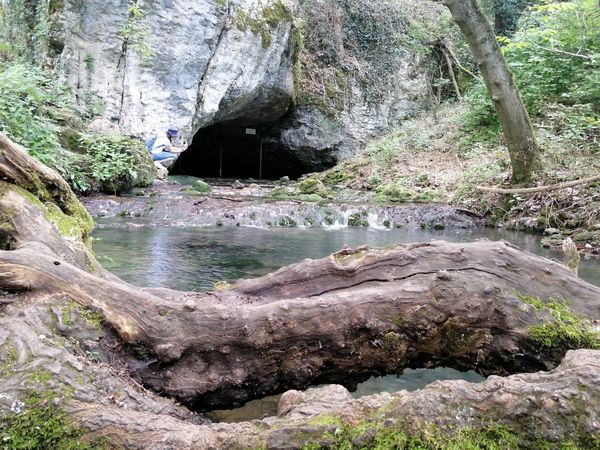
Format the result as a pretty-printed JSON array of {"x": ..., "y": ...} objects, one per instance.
[{"x": 213, "y": 64}]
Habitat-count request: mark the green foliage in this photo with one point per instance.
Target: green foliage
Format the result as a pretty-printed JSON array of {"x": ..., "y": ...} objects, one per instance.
[
  {"x": 26, "y": 96},
  {"x": 34, "y": 109},
  {"x": 135, "y": 32},
  {"x": 565, "y": 331},
  {"x": 41, "y": 425},
  {"x": 557, "y": 53},
  {"x": 555, "y": 57},
  {"x": 25, "y": 30},
  {"x": 506, "y": 15},
  {"x": 112, "y": 162}
]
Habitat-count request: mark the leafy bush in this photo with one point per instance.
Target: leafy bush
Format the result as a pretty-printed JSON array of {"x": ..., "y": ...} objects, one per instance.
[
  {"x": 27, "y": 95},
  {"x": 555, "y": 57},
  {"x": 556, "y": 53},
  {"x": 36, "y": 112},
  {"x": 111, "y": 163}
]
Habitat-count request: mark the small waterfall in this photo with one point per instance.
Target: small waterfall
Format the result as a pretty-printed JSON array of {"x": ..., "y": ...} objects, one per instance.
[
  {"x": 181, "y": 211},
  {"x": 336, "y": 221},
  {"x": 375, "y": 222}
]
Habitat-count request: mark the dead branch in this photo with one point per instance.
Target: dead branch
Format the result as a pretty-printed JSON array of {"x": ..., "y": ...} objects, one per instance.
[{"x": 554, "y": 187}]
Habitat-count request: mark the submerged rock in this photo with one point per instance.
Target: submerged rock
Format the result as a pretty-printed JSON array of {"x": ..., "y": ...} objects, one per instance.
[{"x": 201, "y": 186}]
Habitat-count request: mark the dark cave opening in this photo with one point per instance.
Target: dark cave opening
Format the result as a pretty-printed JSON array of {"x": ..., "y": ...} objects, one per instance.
[{"x": 234, "y": 150}]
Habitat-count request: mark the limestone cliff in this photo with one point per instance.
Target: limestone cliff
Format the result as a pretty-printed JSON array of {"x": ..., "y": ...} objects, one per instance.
[{"x": 147, "y": 64}]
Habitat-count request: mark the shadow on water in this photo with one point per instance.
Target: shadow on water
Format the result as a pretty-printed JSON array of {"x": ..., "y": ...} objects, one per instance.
[
  {"x": 410, "y": 380},
  {"x": 196, "y": 258}
]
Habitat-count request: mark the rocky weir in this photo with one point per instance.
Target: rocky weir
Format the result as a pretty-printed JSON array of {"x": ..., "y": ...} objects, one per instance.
[
  {"x": 175, "y": 204},
  {"x": 116, "y": 365}
]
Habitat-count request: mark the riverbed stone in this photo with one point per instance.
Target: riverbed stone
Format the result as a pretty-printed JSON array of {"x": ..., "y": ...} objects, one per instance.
[
  {"x": 316, "y": 401},
  {"x": 288, "y": 401},
  {"x": 312, "y": 186},
  {"x": 592, "y": 237},
  {"x": 551, "y": 231},
  {"x": 161, "y": 171},
  {"x": 555, "y": 240}
]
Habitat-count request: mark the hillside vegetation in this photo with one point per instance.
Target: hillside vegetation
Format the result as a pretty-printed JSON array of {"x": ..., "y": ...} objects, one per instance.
[
  {"x": 37, "y": 112},
  {"x": 445, "y": 154}
]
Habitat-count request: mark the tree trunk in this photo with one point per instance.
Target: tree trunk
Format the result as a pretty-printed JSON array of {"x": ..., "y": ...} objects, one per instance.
[
  {"x": 95, "y": 343},
  {"x": 520, "y": 137}
]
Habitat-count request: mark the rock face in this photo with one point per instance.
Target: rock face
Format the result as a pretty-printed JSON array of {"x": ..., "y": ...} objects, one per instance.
[
  {"x": 148, "y": 64},
  {"x": 188, "y": 64}
]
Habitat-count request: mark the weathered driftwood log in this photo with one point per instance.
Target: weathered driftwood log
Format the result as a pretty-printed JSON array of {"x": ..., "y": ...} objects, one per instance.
[{"x": 484, "y": 306}]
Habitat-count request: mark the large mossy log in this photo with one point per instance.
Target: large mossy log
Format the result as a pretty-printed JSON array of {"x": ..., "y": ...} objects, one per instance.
[{"x": 485, "y": 306}]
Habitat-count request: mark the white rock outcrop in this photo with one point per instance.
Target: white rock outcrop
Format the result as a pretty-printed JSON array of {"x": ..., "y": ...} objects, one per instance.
[{"x": 214, "y": 61}]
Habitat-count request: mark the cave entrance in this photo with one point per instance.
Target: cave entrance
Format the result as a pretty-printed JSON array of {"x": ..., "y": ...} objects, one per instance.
[{"x": 232, "y": 150}]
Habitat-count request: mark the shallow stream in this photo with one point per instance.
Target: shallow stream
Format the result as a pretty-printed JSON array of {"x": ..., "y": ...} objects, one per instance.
[{"x": 196, "y": 258}]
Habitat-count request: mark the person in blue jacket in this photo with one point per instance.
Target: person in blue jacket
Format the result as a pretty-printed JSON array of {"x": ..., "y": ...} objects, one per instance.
[{"x": 162, "y": 148}]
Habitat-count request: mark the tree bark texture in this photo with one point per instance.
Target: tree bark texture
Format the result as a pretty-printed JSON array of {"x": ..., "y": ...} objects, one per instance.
[
  {"x": 513, "y": 116},
  {"x": 340, "y": 319}
]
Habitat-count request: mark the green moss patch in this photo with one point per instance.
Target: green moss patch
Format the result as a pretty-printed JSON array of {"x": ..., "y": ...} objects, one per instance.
[
  {"x": 562, "y": 329},
  {"x": 372, "y": 435},
  {"x": 73, "y": 221},
  {"x": 8, "y": 358},
  {"x": 42, "y": 425},
  {"x": 287, "y": 221},
  {"x": 7, "y": 229},
  {"x": 291, "y": 194},
  {"x": 264, "y": 21},
  {"x": 73, "y": 310},
  {"x": 312, "y": 186},
  {"x": 201, "y": 187},
  {"x": 358, "y": 219}
]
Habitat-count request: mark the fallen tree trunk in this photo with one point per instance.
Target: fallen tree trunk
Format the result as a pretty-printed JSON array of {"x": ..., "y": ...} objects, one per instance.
[
  {"x": 341, "y": 319},
  {"x": 532, "y": 409},
  {"x": 484, "y": 306}
]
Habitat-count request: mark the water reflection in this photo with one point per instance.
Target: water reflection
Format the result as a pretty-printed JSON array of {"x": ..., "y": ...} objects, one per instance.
[
  {"x": 410, "y": 380},
  {"x": 196, "y": 258}
]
